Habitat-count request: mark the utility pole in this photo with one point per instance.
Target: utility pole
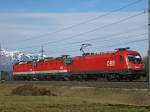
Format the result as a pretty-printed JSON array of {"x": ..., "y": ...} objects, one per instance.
[
  {"x": 0, "y": 63},
  {"x": 148, "y": 44},
  {"x": 42, "y": 52}
]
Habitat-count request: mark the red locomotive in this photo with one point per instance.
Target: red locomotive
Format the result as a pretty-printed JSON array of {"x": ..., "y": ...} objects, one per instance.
[{"x": 122, "y": 64}]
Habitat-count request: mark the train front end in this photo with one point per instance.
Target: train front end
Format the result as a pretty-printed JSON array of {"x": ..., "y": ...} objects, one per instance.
[{"x": 135, "y": 64}]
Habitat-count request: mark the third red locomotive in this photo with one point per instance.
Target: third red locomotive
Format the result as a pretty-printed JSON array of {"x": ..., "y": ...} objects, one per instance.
[{"x": 121, "y": 64}]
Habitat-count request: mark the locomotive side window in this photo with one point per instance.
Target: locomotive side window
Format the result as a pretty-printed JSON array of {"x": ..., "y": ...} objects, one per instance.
[
  {"x": 121, "y": 58},
  {"x": 134, "y": 58},
  {"x": 34, "y": 64},
  {"x": 68, "y": 61}
]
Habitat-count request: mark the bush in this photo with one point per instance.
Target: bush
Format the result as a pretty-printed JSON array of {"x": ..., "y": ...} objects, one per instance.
[{"x": 30, "y": 90}]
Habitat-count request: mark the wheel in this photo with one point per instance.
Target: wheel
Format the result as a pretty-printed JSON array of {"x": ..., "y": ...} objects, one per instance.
[
  {"x": 109, "y": 77},
  {"x": 118, "y": 77}
]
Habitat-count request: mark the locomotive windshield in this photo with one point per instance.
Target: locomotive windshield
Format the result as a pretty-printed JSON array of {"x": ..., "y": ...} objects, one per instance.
[{"x": 134, "y": 58}]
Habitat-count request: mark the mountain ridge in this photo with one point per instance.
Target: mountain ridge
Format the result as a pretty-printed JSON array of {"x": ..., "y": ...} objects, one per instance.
[{"x": 8, "y": 58}]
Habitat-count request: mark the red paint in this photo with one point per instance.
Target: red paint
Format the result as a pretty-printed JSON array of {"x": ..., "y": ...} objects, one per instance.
[{"x": 91, "y": 63}]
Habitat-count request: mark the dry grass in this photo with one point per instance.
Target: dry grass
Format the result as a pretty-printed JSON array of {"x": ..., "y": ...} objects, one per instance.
[
  {"x": 27, "y": 90},
  {"x": 62, "y": 104},
  {"x": 72, "y": 99}
]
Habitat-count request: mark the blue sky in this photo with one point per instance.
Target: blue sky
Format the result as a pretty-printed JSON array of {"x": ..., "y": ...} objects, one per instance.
[
  {"x": 65, "y": 5},
  {"x": 21, "y": 20}
]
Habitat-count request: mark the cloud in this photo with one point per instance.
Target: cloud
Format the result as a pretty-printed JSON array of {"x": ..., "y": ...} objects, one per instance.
[{"x": 15, "y": 27}]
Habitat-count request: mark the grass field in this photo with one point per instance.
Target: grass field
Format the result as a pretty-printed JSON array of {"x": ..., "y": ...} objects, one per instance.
[{"x": 76, "y": 99}]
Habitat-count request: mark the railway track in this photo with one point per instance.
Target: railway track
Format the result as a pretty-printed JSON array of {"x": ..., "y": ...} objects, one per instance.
[{"x": 98, "y": 84}]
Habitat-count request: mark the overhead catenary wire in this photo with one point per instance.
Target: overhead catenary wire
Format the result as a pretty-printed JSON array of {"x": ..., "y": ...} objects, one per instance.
[
  {"x": 100, "y": 39},
  {"x": 114, "y": 45},
  {"x": 126, "y": 37},
  {"x": 138, "y": 35},
  {"x": 105, "y": 37},
  {"x": 99, "y": 28},
  {"x": 81, "y": 23},
  {"x": 90, "y": 31},
  {"x": 129, "y": 42}
]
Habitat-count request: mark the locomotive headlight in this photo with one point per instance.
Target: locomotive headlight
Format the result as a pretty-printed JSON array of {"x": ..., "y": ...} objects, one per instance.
[{"x": 137, "y": 67}]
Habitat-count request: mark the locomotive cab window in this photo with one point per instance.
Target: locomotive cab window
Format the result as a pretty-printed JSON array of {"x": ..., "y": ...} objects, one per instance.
[{"x": 134, "y": 58}]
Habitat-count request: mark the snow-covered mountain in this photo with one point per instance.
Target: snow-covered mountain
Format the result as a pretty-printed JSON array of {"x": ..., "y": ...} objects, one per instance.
[{"x": 7, "y": 58}]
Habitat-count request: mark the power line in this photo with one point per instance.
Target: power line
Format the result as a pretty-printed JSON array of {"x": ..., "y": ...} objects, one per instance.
[
  {"x": 100, "y": 46},
  {"x": 105, "y": 37},
  {"x": 129, "y": 42},
  {"x": 107, "y": 25},
  {"x": 84, "y": 22},
  {"x": 142, "y": 34},
  {"x": 134, "y": 41},
  {"x": 93, "y": 30}
]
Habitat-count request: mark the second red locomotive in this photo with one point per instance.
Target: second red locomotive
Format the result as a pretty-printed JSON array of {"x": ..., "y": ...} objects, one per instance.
[{"x": 122, "y": 64}]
